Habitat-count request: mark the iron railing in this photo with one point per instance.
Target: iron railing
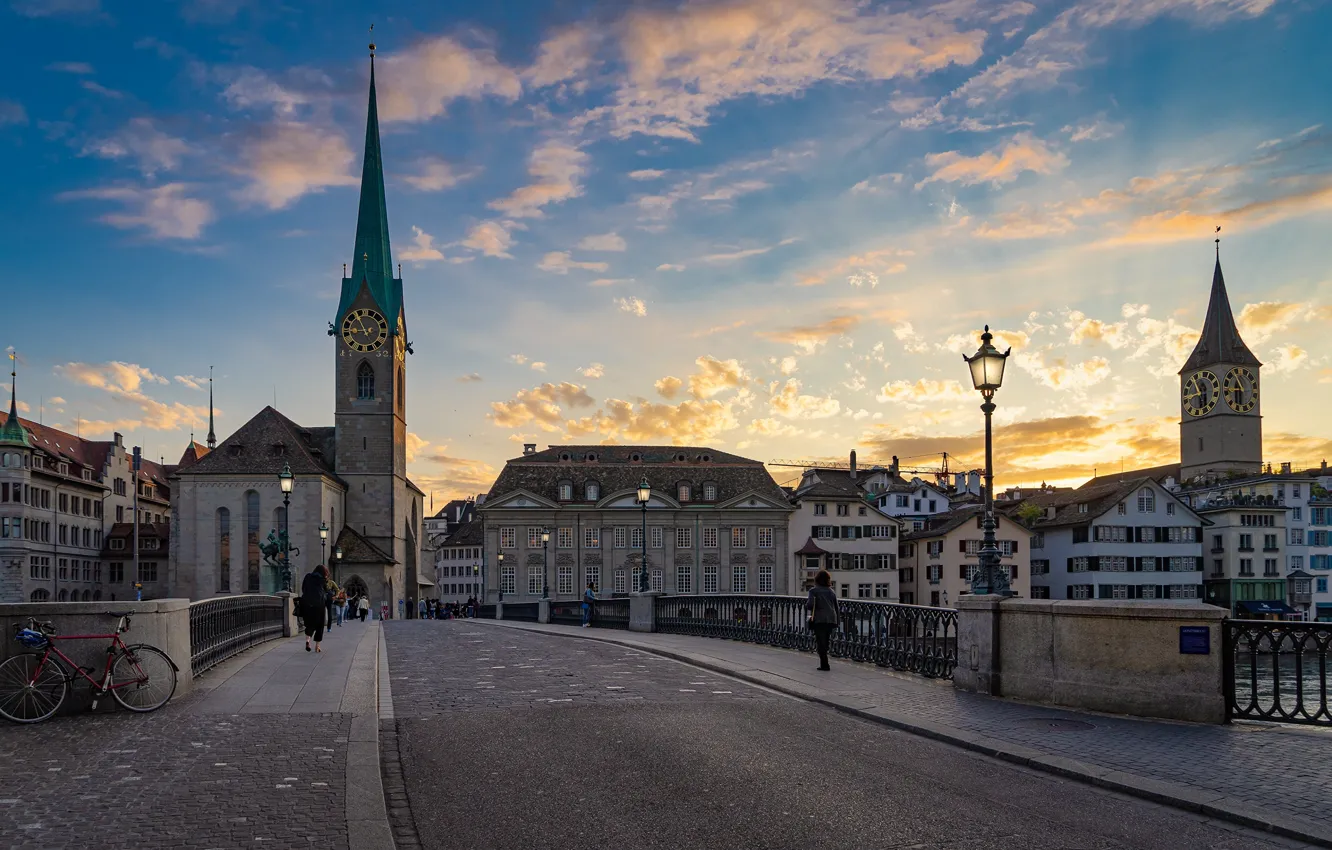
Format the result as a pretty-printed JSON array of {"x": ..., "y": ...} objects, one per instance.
[
  {"x": 610, "y": 614},
  {"x": 526, "y": 611},
  {"x": 220, "y": 628},
  {"x": 485, "y": 612},
  {"x": 1277, "y": 671},
  {"x": 912, "y": 638},
  {"x": 567, "y": 613}
]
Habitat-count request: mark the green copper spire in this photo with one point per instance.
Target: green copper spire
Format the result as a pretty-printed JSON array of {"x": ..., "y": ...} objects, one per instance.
[
  {"x": 13, "y": 432},
  {"x": 372, "y": 261}
]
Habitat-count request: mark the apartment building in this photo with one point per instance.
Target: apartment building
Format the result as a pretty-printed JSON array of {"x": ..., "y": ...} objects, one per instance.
[{"x": 937, "y": 563}]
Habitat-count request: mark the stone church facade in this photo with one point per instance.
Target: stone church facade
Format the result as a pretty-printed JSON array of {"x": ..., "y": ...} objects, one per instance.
[{"x": 351, "y": 477}]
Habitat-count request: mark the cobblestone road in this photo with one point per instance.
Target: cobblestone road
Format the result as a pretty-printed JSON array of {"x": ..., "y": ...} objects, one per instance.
[{"x": 517, "y": 739}]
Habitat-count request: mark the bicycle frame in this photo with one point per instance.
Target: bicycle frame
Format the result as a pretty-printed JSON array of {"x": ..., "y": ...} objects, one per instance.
[{"x": 105, "y": 686}]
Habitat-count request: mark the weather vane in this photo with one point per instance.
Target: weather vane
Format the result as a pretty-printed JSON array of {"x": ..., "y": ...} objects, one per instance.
[
  {"x": 1218, "y": 242},
  {"x": 372, "y": 40}
]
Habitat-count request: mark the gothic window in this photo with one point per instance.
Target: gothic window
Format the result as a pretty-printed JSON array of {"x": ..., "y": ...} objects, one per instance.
[
  {"x": 223, "y": 550},
  {"x": 365, "y": 382},
  {"x": 252, "y": 541}
]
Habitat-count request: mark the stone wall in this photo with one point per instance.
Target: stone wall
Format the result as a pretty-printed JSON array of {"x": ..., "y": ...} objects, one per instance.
[{"x": 1122, "y": 658}]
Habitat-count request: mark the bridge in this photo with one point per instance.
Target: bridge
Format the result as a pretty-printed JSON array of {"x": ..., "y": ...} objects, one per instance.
[{"x": 519, "y": 733}]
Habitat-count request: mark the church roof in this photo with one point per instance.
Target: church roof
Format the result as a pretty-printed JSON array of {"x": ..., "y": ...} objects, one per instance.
[
  {"x": 193, "y": 453},
  {"x": 12, "y": 433},
  {"x": 262, "y": 445},
  {"x": 372, "y": 260},
  {"x": 1220, "y": 340},
  {"x": 357, "y": 550}
]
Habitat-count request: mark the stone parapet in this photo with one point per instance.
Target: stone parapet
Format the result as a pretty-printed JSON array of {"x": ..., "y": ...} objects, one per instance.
[{"x": 642, "y": 611}]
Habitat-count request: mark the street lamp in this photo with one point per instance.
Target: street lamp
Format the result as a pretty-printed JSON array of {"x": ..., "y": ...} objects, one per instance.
[
  {"x": 545, "y": 569},
  {"x": 286, "y": 480},
  {"x": 500, "y": 560},
  {"x": 644, "y": 494},
  {"x": 987, "y": 375},
  {"x": 323, "y": 541}
]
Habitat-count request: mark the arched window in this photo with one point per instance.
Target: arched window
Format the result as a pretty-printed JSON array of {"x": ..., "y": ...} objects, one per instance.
[
  {"x": 97, "y": 596},
  {"x": 402, "y": 390},
  {"x": 566, "y": 491},
  {"x": 87, "y": 596},
  {"x": 592, "y": 491},
  {"x": 223, "y": 550},
  {"x": 365, "y": 382},
  {"x": 252, "y": 541},
  {"x": 41, "y": 594},
  {"x": 1146, "y": 501},
  {"x": 682, "y": 492},
  {"x": 64, "y": 596}
]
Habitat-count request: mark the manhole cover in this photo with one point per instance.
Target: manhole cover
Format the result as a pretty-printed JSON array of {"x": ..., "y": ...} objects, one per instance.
[{"x": 1054, "y": 724}]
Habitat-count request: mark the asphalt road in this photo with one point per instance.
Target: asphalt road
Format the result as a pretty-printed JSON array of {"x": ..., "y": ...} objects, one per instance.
[{"x": 518, "y": 740}]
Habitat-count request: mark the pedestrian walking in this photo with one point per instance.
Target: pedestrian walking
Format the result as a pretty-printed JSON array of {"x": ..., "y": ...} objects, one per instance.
[
  {"x": 330, "y": 598},
  {"x": 589, "y": 596},
  {"x": 421, "y": 608},
  {"x": 314, "y": 605},
  {"x": 363, "y": 607},
  {"x": 822, "y": 607},
  {"x": 340, "y": 605}
]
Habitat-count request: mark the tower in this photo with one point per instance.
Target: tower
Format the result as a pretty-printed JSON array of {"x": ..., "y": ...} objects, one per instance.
[
  {"x": 370, "y": 348},
  {"x": 1221, "y": 426}
]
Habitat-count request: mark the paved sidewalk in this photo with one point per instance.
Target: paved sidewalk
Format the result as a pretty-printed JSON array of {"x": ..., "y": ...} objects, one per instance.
[
  {"x": 1276, "y": 778},
  {"x": 275, "y": 747}
]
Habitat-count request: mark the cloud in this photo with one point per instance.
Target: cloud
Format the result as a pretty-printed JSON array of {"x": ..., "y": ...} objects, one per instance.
[
  {"x": 423, "y": 248},
  {"x": 1059, "y": 374},
  {"x": 1093, "y": 132},
  {"x": 691, "y": 422},
  {"x": 520, "y": 359},
  {"x": 52, "y": 8},
  {"x": 560, "y": 262},
  {"x": 166, "y": 212},
  {"x": 191, "y": 381},
  {"x": 592, "y": 371},
  {"x": 808, "y": 338},
  {"x": 670, "y": 267},
  {"x": 1258, "y": 322},
  {"x": 647, "y": 174},
  {"x": 97, "y": 88},
  {"x": 556, "y": 168},
  {"x": 926, "y": 391},
  {"x": 728, "y": 256},
  {"x": 1024, "y": 152},
  {"x": 434, "y": 175},
  {"x": 458, "y": 477},
  {"x": 540, "y": 405},
  {"x": 774, "y": 428},
  {"x": 1025, "y": 224},
  {"x": 787, "y": 365},
  {"x": 633, "y": 306},
  {"x": 469, "y": 378},
  {"x": 602, "y": 242},
  {"x": 669, "y": 387},
  {"x": 1083, "y": 330},
  {"x": 248, "y": 87},
  {"x": 419, "y": 83},
  {"x": 1289, "y": 358},
  {"x": 683, "y": 63},
  {"x": 564, "y": 55},
  {"x": 12, "y": 113},
  {"x": 610, "y": 281},
  {"x": 875, "y": 185},
  {"x": 860, "y": 267},
  {"x": 126, "y": 382},
  {"x": 141, "y": 140},
  {"x": 70, "y": 67},
  {"x": 289, "y": 159},
  {"x": 538, "y": 366},
  {"x": 911, "y": 341},
  {"x": 414, "y": 446},
  {"x": 714, "y": 376},
  {"x": 790, "y": 403},
  {"x": 1169, "y": 341},
  {"x": 492, "y": 238}
]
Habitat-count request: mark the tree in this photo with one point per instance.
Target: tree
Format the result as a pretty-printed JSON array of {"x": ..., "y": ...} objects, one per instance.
[{"x": 1029, "y": 513}]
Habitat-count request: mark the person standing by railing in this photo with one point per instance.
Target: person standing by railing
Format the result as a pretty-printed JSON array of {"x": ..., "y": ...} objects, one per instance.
[
  {"x": 822, "y": 607},
  {"x": 589, "y": 597}
]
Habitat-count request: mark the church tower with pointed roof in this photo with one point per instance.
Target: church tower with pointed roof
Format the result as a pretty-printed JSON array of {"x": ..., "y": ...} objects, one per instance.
[
  {"x": 370, "y": 354},
  {"x": 1221, "y": 426}
]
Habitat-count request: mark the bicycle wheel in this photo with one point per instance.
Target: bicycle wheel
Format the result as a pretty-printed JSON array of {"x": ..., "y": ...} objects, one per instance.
[
  {"x": 30, "y": 690},
  {"x": 143, "y": 678}
]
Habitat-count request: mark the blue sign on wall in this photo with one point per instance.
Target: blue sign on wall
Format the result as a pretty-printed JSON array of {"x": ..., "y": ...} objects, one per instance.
[{"x": 1195, "y": 640}]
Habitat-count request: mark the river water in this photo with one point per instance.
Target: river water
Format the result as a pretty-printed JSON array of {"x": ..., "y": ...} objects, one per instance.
[{"x": 1277, "y": 685}]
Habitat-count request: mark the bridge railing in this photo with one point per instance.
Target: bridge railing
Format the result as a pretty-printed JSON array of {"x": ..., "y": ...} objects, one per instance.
[
  {"x": 610, "y": 614},
  {"x": 526, "y": 611},
  {"x": 220, "y": 628},
  {"x": 1278, "y": 671},
  {"x": 912, "y": 638}
]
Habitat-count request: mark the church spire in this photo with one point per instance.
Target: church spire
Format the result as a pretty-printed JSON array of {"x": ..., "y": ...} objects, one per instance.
[
  {"x": 372, "y": 260},
  {"x": 1220, "y": 341},
  {"x": 212, "y": 438},
  {"x": 13, "y": 432}
]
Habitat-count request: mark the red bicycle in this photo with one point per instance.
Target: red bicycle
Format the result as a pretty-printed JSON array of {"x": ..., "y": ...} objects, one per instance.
[{"x": 33, "y": 685}]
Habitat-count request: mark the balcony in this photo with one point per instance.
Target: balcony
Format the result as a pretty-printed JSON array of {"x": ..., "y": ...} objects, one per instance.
[
  {"x": 1271, "y": 548},
  {"x": 1217, "y": 550},
  {"x": 1246, "y": 548}
]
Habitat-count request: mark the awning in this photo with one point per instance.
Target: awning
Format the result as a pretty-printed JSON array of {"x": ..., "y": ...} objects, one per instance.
[
  {"x": 1266, "y": 607},
  {"x": 810, "y": 548},
  {"x": 422, "y": 581}
]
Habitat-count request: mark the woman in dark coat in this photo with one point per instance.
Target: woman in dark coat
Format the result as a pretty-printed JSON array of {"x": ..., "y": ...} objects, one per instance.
[
  {"x": 314, "y": 600},
  {"x": 822, "y": 607}
]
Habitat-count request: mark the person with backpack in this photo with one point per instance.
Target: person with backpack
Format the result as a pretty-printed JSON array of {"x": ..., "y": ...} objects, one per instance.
[{"x": 589, "y": 596}]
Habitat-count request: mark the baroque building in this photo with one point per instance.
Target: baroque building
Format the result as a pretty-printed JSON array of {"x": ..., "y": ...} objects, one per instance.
[
  {"x": 350, "y": 477},
  {"x": 557, "y": 520}
]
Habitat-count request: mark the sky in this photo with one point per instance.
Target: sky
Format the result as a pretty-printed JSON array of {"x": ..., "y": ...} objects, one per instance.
[{"x": 767, "y": 226}]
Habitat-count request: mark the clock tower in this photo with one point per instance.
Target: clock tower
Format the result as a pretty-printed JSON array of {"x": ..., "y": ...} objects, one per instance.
[
  {"x": 1221, "y": 426},
  {"x": 370, "y": 354}
]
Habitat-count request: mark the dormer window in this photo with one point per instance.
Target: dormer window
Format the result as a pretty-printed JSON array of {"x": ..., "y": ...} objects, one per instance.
[
  {"x": 709, "y": 492},
  {"x": 593, "y": 491},
  {"x": 1082, "y": 507},
  {"x": 680, "y": 458},
  {"x": 706, "y": 458},
  {"x": 635, "y": 457},
  {"x": 566, "y": 491},
  {"x": 682, "y": 492},
  {"x": 591, "y": 457},
  {"x": 565, "y": 456}
]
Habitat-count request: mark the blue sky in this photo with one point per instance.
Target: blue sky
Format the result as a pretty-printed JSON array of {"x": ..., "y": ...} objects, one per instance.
[{"x": 762, "y": 225}]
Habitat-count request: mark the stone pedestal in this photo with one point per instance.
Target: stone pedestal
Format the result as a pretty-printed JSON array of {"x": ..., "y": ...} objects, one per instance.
[
  {"x": 978, "y": 650},
  {"x": 641, "y": 611},
  {"x": 543, "y": 611},
  {"x": 499, "y": 610},
  {"x": 288, "y": 614}
]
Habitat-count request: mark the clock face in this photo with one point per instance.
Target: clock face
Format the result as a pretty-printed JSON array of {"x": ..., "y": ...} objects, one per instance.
[
  {"x": 1240, "y": 389},
  {"x": 400, "y": 340},
  {"x": 364, "y": 330},
  {"x": 1201, "y": 392}
]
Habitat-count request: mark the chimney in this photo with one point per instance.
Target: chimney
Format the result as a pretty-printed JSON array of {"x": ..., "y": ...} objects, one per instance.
[
  {"x": 973, "y": 482},
  {"x": 853, "y": 464},
  {"x": 959, "y": 482},
  {"x": 892, "y": 469},
  {"x": 1325, "y": 466},
  {"x": 120, "y": 441},
  {"x": 529, "y": 448},
  {"x": 1285, "y": 468}
]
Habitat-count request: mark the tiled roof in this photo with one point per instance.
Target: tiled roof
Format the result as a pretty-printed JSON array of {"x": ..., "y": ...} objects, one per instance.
[
  {"x": 614, "y": 469},
  {"x": 941, "y": 524},
  {"x": 262, "y": 445},
  {"x": 1098, "y": 499},
  {"x": 1156, "y": 473},
  {"x": 467, "y": 534},
  {"x": 147, "y": 530},
  {"x": 357, "y": 550},
  {"x": 193, "y": 453},
  {"x": 810, "y": 548},
  {"x": 830, "y": 483}
]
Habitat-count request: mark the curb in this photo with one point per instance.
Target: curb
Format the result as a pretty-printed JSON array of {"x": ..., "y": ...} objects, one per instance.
[{"x": 1170, "y": 794}]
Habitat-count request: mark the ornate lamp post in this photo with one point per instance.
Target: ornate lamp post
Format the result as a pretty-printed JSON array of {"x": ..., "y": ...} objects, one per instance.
[
  {"x": 987, "y": 375},
  {"x": 323, "y": 542},
  {"x": 500, "y": 560},
  {"x": 545, "y": 566},
  {"x": 337, "y": 560},
  {"x": 287, "y": 481},
  {"x": 644, "y": 495}
]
